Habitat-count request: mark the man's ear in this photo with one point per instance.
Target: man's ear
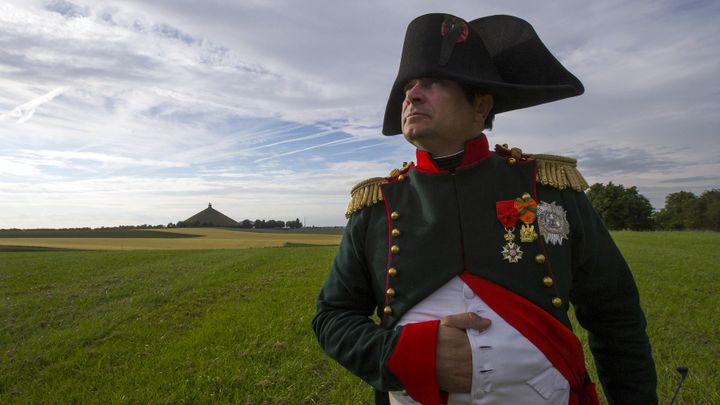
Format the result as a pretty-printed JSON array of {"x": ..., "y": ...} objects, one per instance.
[{"x": 483, "y": 104}]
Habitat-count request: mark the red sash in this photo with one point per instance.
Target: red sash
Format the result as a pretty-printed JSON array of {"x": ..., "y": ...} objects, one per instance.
[{"x": 559, "y": 345}]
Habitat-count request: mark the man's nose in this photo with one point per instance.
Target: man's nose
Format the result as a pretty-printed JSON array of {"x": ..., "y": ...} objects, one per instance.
[{"x": 415, "y": 94}]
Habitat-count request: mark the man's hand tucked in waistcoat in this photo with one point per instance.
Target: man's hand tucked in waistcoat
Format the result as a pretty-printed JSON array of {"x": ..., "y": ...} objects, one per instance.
[{"x": 453, "y": 355}]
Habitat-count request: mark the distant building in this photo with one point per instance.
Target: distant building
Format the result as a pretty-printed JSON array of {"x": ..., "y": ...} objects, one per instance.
[{"x": 208, "y": 217}]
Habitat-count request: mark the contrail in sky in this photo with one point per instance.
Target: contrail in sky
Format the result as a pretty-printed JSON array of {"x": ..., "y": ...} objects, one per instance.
[
  {"x": 337, "y": 142},
  {"x": 25, "y": 111}
]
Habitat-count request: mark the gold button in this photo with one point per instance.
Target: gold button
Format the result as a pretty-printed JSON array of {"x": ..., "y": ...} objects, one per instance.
[
  {"x": 401, "y": 177},
  {"x": 395, "y": 249},
  {"x": 387, "y": 310},
  {"x": 390, "y": 292},
  {"x": 548, "y": 281},
  {"x": 392, "y": 272},
  {"x": 540, "y": 258},
  {"x": 557, "y": 302},
  {"x": 396, "y": 232},
  {"x": 512, "y": 161},
  {"x": 394, "y": 216}
]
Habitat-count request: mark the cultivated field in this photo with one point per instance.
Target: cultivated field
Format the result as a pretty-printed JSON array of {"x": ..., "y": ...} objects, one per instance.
[
  {"x": 233, "y": 326},
  {"x": 185, "y": 238}
]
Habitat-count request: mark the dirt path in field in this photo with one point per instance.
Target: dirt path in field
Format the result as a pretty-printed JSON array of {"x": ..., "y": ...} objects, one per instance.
[{"x": 210, "y": 238}]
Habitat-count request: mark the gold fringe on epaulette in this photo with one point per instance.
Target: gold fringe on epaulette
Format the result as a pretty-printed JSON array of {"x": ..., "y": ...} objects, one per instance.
[
  {"x": 364, "y": 194},
  {"x": 559, "y": 172}
]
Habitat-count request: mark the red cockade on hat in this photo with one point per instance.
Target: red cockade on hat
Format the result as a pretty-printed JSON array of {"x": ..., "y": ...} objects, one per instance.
[
  {"x": 453, "y": 30},
  {"x": 451, "y": 23},
  {"x": 506, "y": 213}
]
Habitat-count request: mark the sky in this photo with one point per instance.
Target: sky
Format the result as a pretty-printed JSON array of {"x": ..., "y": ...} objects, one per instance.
[{"x": 143, "y": 112}]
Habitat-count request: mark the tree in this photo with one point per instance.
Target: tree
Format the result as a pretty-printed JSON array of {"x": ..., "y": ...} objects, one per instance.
[
  {"x": 620, "y": 207},
  {"x": 296, "y": 224},
  {"x": 680, "y": 212},
  {"x": 709, "y": 203},
  {"x": 273, "y": 223}
]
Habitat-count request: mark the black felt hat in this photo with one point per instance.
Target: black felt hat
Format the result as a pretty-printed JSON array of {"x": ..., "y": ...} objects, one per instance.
[{"x": 500, "y": 54}]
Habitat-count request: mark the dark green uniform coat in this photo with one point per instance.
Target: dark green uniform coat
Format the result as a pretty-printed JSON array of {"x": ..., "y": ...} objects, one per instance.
[{"x": 446, "y": 224}]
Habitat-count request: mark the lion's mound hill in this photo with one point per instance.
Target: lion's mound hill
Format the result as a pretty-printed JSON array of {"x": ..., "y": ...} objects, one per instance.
[{"x": 210, "y": 217}]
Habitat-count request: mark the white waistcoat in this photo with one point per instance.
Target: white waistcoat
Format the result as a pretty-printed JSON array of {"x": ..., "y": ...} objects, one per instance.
[{"x": 507, "y": 367}]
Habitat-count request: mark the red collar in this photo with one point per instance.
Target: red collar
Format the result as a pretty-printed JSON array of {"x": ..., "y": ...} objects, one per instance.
[{"x": 476, "y": 150}]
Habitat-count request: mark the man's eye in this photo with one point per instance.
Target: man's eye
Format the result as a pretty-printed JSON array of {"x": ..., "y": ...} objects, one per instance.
[
  {"x": 428, "y": 83},
  {"x": 410, "y": 85},
  {"x": 424, "y": 83}
]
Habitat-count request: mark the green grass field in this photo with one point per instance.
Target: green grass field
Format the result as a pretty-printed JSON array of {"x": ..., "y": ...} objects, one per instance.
[
  {"x": 233, "y": 326},
  {"x": 679, "y": 281}
]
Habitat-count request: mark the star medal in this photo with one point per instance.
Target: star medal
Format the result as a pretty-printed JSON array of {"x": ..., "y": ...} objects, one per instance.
[
  {"x": 508, "y": 216},
  {"x": 526, "y": 208},
  {"x": 511, "y": 252},
  {"x": 552, "y": 222}
]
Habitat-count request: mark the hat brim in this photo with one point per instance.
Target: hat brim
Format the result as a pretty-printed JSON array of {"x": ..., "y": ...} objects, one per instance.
[
  {"x": 530, "y": 74},
  {"x": 506, "y": 97}
]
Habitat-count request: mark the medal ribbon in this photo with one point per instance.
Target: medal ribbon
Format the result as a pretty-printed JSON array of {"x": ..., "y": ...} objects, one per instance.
[
  {"x": 526, "y": 208},
  {"x": 506, "y": 213}
]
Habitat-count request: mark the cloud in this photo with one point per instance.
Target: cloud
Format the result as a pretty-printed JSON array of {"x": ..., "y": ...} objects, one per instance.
[
  {"x": 693, "y": 179},
  {"x": 103, "y": 158},
  {"x": 15, "y": 168},
  {"x": 67, "y": 9},
  {"x": 616, "y": 161},
  {"x": 258, "y": 104}
]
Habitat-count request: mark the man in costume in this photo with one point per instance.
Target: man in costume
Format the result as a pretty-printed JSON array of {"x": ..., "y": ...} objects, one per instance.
[{"x": 470, "y": 258}]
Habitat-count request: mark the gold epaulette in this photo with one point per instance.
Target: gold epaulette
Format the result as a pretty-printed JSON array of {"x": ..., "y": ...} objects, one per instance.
[
  {"x": 559, "y": 172},
  {"x": 364, "y": 194},
  {"x": 552, "y": 170},
  {"x": 367, "y": 192}
]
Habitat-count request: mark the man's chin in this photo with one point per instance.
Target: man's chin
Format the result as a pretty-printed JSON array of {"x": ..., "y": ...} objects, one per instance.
[
  {"x": 415, "y": 130},
  {"x": 416, "y": 136}
]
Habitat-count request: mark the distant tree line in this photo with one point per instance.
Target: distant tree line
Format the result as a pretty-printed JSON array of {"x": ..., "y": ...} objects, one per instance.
[
  {"x": 620, "y": 207},
  {"x": 143, "y": 226},
  {"x": 257, "y": 224},
  {"x": 245, "y": 223},
  {"x": 685, "y": 210},
  {"x": 625, "y": 208}
]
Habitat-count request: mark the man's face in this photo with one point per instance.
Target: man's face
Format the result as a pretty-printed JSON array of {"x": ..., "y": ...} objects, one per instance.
[{"x": 437, "y": 117}]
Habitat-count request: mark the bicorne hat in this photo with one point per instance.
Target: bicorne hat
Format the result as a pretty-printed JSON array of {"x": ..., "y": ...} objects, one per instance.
[{"x": 500, "y": 54}]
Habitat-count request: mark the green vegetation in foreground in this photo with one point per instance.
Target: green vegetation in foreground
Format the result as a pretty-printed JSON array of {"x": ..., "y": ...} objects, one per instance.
[
  {"x": 678, "y": 278},
  {"x": 90, "y": 233},
  {"x": 221, "y": 326},
  {"x": 233, "y": 326}
]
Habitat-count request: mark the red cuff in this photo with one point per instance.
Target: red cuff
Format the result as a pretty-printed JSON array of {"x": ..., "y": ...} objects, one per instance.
[{"x": 413, "y": 362}]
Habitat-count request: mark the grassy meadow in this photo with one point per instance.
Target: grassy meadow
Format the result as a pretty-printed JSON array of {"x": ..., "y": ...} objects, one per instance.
[
  {"x": 192, "y": 326},
  {"x": 196, "y": 325}
]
